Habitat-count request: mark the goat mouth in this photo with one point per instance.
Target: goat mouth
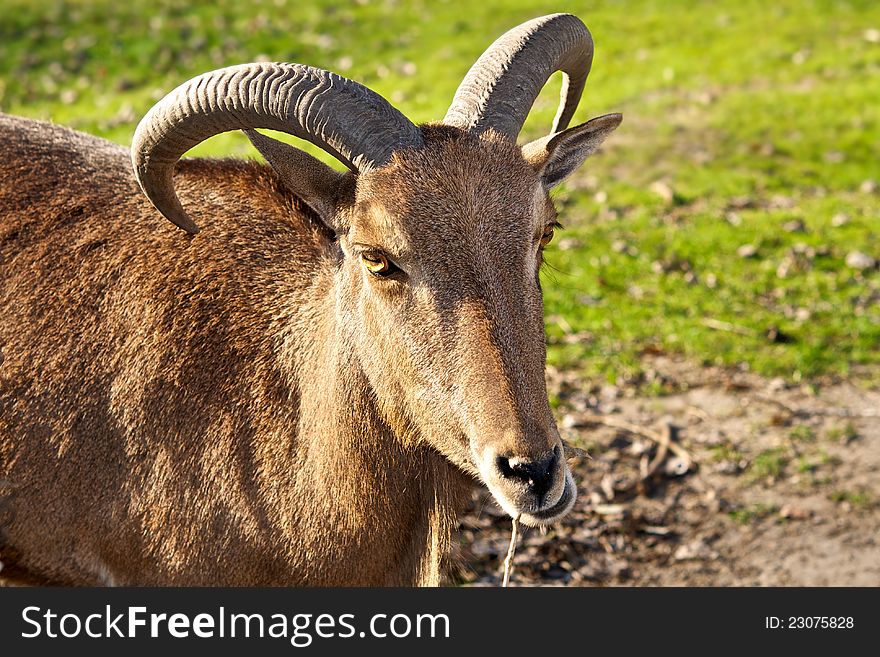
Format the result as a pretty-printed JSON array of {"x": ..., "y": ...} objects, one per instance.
[{"x": 558, "y": 510}]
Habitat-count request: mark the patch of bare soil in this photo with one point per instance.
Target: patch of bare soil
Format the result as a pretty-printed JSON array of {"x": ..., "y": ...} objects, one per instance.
[{"x": 727, "y": 479}]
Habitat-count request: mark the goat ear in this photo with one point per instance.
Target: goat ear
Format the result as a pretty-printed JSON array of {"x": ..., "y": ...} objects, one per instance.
[
  {"x": 307, "y": 177},
  {"x": 554, "y": 157}
]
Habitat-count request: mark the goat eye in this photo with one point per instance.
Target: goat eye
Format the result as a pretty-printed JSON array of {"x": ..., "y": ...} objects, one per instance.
[
  {"x": 377, "y": 264},
  {"x": 547, "y": 236}
]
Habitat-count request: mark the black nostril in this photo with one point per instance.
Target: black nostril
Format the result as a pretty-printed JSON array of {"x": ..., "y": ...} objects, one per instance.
[{"x": 537, "y": 475}]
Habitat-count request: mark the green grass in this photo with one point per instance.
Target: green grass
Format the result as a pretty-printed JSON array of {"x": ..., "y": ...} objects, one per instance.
[
  {"x": 753, "y": 512},
  {"x": 843, "y": 434},
  {"x": 812, "y": 462},
  {"x": 725, "y": 452},
  {"x": 769, "y": 464},
  {"x": 752, "y": 115},
  {"x": 857, "y": 499},
  {"x": 802, "y": 433}
]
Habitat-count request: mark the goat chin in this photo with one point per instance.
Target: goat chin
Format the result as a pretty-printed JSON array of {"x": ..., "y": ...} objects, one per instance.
[{"x": 556, "y": 511}]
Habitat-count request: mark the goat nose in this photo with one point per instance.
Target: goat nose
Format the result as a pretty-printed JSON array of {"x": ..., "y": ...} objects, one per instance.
[{"x": 538, "y": 475}]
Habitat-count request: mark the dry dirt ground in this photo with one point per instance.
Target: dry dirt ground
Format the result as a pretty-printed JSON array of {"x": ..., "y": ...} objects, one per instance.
[{"x": 762, "y": 484}]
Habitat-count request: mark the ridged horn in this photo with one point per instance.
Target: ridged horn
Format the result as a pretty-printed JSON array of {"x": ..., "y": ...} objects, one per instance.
[
  {"x": 346, "y": 119},
  {"x": 501, "y": 87}
]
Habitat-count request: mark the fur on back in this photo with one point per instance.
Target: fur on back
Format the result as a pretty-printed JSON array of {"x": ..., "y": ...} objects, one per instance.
[{"x": 151, "y": 419}]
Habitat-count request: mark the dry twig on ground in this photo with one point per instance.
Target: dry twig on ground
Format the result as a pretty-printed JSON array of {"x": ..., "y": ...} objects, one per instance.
[{"x": 664, "y": 439}]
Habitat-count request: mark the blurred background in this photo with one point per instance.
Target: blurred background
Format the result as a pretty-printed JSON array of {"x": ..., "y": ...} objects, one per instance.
[{"x": 712, "y": 305}]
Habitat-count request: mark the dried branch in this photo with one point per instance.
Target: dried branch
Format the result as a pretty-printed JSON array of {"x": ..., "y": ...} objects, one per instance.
[
  {"x": 661, "y": 439},
  {"x": 663, "y": 447}
]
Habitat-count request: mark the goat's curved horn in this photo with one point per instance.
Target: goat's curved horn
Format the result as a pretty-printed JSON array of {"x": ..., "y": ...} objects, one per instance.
[
  {"x": 346, "y": 119},
  {"x": 499, "y": 90}
]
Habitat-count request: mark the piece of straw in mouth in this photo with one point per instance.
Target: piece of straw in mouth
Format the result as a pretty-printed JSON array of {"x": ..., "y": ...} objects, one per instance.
[{"x": 508, "y": 560}]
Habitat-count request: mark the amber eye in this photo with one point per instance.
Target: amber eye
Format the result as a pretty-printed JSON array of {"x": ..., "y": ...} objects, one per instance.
[
  {"x": 547, "y": 236},
  {"x": 376, "y": 263}
]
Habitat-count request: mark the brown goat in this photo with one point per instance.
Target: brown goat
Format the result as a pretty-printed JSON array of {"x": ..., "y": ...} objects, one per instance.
[{"x": 303, "y": 392}]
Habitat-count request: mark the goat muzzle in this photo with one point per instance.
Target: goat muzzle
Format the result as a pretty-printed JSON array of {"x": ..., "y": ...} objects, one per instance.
[{"x": 537, "y": 490}]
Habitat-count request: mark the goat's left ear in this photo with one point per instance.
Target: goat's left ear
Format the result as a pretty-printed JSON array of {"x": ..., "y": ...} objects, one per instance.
[
  {"x": 556, "y": 156},
  {"x": 304, "y": 175}
]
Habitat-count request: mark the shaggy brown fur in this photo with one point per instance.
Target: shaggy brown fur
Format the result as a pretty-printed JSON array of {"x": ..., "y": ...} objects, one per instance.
[{"x": 248, "y": 406}]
